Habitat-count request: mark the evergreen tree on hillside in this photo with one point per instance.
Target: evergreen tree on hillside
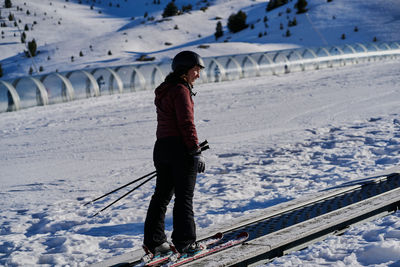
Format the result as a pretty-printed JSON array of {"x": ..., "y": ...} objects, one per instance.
[
  {"x": 275, "y": 3},
  {"x": 23, "y": 37},
  {"x": 170, "y": 10},
  {"x": 32, "y": 46},
  {"x": 218, "y": 31},
  {"x": 237, "y": 22},
  {"x": 7, "y": 4},
  {"x": 301, "y": 6}
]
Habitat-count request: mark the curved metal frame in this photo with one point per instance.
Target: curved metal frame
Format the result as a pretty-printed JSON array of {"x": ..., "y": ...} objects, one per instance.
[
  {"x": 132, "y": 77},
  {"x": 91, "y": 79},
  {"x": 156, "y": 69},
  {"x": 370, "y": 51},
  {"x": 336, "y": 48},
  {"x": 69, "y": 89},
  {"x": 44, "y": 97},
  {"x": 142, "y": 80},
  {"x": 323, "y": 49},
  {"x": 239, "y": 68},
  {"x": 362, "y": 46},
  {"x": 351, "y": 48},
  {"x": 113, "y": 77},
  {"x": 267, "y": 66},
  {"x": 220, "y": 67},
  {"x": 310, "y": 51},
  {"x": 15, "y": 97},
  {"x": 249, "y": 58}
]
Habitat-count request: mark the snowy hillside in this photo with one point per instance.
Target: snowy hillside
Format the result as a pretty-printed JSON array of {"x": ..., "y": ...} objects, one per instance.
[
  {"x": 272, "y": 138},
  {"x": 81, "y": 33}
]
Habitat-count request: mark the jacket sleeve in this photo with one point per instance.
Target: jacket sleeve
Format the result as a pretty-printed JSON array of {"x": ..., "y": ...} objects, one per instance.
[{"x": 184, "y": 107}]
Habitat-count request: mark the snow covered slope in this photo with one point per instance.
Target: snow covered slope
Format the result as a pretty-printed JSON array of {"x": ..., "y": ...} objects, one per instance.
[
  {"x": 71, "y": 35},
  {"x": 272, "y": 139}
]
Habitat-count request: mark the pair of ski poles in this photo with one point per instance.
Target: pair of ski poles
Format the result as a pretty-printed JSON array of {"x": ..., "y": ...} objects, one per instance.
[{"x": 203, "y": 146}]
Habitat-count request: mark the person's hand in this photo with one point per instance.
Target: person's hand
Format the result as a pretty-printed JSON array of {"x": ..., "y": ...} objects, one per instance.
[{"x": 199, "y": 163}]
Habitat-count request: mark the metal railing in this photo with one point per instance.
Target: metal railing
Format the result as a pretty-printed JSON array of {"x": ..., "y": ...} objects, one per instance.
[{"x": 51, "y": 88}]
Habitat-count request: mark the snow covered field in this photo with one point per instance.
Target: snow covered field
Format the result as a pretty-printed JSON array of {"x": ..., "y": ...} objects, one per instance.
[{"x": 272, "y": 139}]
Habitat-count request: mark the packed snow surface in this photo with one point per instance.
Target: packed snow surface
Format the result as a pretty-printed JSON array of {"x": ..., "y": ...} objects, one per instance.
[{"x": 272, "y": 139}]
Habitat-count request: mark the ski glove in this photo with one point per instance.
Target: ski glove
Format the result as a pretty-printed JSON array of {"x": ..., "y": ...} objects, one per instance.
[{"x": 199, "y": 163}]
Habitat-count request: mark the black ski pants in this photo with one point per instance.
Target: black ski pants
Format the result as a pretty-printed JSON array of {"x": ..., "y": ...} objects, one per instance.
[{"x": 175, "y": 174}]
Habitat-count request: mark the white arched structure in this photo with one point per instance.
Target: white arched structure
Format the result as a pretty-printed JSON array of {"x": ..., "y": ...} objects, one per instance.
[
  {"x": 13, "y": 101},
  {"x": 91, "y": 85},
  {"x": 66, "y": 91},
  {"x": 112, "y": 77},
  {"x": 40, "y": 92},
  {"x": 56, "y": 87},
  {"x": 235, "y": 72}
]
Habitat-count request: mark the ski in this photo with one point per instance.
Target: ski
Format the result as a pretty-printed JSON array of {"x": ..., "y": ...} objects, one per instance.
[
  {"x": 150, "y": 260},
  {"x": 212, "y": 239},
  {"x": 176, "y": 259}
]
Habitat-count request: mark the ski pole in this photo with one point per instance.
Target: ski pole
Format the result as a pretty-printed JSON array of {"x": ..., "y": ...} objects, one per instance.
[
  {"x": 109, "y": 205},
  {"x": 119, "y": 188},
  {"x": 205, "y": 142},
  {"x": 204, "y": 145}
]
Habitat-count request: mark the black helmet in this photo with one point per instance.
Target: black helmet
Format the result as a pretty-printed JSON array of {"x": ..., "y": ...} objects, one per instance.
[{"x": 186, "y": 60}]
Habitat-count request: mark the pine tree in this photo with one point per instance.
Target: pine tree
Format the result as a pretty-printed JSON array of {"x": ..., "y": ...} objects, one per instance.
[
  {"x": 186, "y": 8},
  {"x": 170, "y": 10},
  {"x": 7, "y": 4},
  {"x": 237, "y": 22},
  {"x": 32, "y": 46},
  {"x": 301, "y": 6},
  {"x": 218, "y": 31},
  {"x": 23, "y": 37},
  {"x": 275, "y": 3},
  {"x": 293, "y": 22}
]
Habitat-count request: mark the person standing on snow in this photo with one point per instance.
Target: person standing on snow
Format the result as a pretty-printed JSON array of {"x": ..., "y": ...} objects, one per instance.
[{"x": 177, "y": 158}]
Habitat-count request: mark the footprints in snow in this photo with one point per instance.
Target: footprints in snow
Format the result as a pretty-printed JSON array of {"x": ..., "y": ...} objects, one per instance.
[{"x": 325, "y": 152}]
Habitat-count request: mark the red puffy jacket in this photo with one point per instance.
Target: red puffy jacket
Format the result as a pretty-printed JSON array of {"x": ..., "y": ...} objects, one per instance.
[{"x": 175, "y": 112}]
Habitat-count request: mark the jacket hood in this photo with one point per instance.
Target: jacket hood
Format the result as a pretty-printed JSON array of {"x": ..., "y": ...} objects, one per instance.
[{"x": 170, "y": 81}]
